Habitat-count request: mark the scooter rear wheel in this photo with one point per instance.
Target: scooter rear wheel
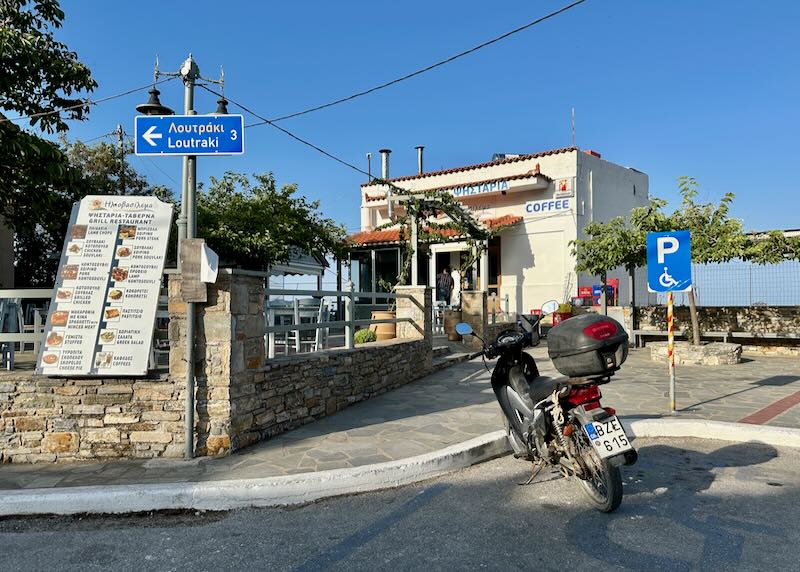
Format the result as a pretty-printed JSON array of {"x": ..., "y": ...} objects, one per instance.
[{"x": 603, "y": 486}]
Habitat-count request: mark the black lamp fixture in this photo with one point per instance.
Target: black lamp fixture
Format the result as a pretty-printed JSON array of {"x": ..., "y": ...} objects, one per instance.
[
  {"x": 222, "y": 106},
  {"x": 153, "y": 105}
]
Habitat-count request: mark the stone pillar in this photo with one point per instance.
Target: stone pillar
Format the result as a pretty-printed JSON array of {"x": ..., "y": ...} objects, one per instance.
[
  {"x": 474, "y": 311},
  {"x": 420, "y": 309},
  {"x": 229, "y": 356}
]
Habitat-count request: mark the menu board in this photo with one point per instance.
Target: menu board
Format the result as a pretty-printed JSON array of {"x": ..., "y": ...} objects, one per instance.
[{"x": 104, "y": 303}]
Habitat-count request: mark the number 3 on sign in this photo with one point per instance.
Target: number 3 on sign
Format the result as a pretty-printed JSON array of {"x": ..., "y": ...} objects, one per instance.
[{"x": 233, "y": 135}]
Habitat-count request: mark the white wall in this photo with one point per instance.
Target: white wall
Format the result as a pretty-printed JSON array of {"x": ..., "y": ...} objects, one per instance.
[{"x": 607, "y": 190}]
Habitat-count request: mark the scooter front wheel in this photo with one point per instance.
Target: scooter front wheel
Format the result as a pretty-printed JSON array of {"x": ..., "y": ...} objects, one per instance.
[{"x": 603, "y": 483}]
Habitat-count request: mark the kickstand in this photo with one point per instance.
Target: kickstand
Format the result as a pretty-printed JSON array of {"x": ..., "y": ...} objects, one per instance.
[{"x": 536, "y": 470}]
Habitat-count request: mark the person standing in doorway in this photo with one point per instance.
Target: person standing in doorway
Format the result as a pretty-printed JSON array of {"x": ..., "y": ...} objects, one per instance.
[
  {"x": 444, "y": 286},
  {"x": 455, "y": 296}
]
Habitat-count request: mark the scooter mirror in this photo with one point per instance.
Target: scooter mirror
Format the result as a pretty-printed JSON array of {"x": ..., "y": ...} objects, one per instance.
[
  {"x": 463, "y": 329},
  {"x": 549, "y": 307}
]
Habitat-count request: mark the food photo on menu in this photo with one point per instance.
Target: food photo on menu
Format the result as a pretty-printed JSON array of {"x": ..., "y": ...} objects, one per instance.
[
  {"x": 124, "y": 251},
  {"x": 103, "y": 359},
  {"x": 119, "y": 274},
  {"x": 111, "y": 314},
  {"x": 115, "y": 294},
  {"x": 54, "y": 338},
  {"x": 50, "y": 358},
  {"x": 127, "y": 231},
  {"x": 59, "y": 318},
  {"x": 70, "y": 271},
  {"x": 64, "y": 295},
  {"x": 78, "y": 232},
  {"x": 74, "y": 249},
  {"x": 107, "y": 337}
]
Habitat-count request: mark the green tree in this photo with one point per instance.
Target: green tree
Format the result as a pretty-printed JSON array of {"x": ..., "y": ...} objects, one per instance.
[
  {"x": 620, "y": 242},
  {"x": 716, "y": 237},
  {"x": 40, "y": 77},
  {"x": 99, "y": 169},
  {"x": 253, "y": 224}
]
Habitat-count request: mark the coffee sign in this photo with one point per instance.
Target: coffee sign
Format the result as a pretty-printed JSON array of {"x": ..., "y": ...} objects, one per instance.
[{"x": 103, "y": 308}]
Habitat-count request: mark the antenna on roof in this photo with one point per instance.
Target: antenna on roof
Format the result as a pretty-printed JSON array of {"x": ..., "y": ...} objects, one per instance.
[{"x": 573, "y": 127}]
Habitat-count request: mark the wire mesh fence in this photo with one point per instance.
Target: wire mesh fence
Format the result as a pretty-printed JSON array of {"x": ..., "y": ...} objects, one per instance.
[{"x": 733, "y": 284}]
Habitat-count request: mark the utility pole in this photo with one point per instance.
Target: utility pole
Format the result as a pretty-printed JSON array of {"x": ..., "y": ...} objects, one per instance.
[
  {"x": 187, "y": 219},
  {"x": 189, "y": 72},
  {"x": 121, "y": 141}
]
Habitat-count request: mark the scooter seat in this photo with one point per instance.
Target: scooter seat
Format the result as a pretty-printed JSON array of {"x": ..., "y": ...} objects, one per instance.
[{"x": 542, "y": 387}]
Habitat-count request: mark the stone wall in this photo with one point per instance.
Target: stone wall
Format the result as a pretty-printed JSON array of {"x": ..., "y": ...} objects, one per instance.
[
  {"x": 292, "y": 391},
  {"x": 49, "y": 420},
  {"x": 756, "y": 320},
  {"x": 239, "y": 399},
  {"x": 229, "y": 356},
  {"x": 474, "y": 311}
]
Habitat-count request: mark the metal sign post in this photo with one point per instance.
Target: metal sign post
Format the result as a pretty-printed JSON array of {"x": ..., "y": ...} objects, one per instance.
[
  {"x": 160, "y": 133},
  {"x": 669, "y": 269}
]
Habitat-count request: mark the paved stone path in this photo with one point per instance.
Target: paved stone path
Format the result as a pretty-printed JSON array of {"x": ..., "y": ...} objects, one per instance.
[{"x": 445, "y": 408}]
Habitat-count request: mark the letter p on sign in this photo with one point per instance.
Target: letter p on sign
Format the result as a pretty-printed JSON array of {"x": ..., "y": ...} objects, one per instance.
[{"x": 666, "y": 245}]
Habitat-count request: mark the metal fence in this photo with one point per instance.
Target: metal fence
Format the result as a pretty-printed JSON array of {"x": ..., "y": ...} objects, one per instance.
[
  {"x": 733, "y": 284},
  {"x": 308, "y": 312}
]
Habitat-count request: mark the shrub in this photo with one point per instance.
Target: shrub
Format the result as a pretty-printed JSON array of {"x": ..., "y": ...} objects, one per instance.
[{"x": 364, "y": 336}]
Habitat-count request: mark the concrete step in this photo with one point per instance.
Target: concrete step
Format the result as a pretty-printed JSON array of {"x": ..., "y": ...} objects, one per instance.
[
  {"x": 441, "y": 363},
  {"x": 440, "y": 351}
]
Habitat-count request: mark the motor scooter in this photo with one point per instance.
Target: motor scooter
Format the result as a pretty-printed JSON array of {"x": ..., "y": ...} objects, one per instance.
[{"x": 560, "y": 422}]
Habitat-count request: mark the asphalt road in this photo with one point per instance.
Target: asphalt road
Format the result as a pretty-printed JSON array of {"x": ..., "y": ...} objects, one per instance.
[{"x": 689, "y": 505}]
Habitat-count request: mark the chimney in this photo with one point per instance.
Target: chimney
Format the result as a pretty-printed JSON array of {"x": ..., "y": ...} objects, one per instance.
[
  {"x": 385, "y": 163},
  {"x": 592, "y": 153},
  {"x": 420, "y": 148},
  {"x": 385, "y": 176}
]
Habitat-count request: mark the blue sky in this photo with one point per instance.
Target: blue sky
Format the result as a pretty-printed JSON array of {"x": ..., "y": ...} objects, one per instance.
[{"x": 707, "y": 89}]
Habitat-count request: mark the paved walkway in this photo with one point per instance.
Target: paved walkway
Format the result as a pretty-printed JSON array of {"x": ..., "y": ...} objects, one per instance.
[{"x": 446, "y": 408}]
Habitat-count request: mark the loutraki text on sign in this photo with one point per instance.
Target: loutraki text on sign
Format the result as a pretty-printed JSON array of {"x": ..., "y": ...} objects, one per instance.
[{"x": 189, "y": 135}]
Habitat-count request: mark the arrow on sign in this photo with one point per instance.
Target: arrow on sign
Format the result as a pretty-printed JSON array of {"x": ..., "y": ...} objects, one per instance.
[{"x": 149, "y": 135}]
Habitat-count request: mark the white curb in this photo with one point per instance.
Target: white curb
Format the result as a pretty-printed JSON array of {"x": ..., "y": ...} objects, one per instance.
[
  {"x": 308, "y": 487},
  {"x": 720, "y": 430},
  {"x": 272, "y": 491}
]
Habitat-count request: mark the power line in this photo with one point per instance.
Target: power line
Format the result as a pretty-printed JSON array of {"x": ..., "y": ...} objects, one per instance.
[
  {"x": 84, "y": 102},
  {"x": 271, "y": 123},
  {"x": 425, "y": 69},
  {"x": 152, "y": 162}
]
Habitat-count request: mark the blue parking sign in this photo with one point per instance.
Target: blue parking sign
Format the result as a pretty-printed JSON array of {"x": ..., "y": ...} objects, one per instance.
[{"x": 669, "y": 261}]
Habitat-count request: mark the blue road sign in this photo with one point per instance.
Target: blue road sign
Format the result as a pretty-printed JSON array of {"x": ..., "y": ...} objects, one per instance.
[
  {"x": 189, "y": 135},
  {"x": 669, "y": 261}
]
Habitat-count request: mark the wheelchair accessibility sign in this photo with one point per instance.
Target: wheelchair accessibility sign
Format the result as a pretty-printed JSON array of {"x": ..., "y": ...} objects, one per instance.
[{"x": 669, "y": 261}]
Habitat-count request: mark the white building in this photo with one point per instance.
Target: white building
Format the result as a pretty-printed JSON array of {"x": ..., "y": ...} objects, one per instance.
[{"x": 547, "y": 197}]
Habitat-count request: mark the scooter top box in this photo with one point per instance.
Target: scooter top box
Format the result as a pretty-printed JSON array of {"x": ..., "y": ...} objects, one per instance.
[{"x": 588, "y": 345}]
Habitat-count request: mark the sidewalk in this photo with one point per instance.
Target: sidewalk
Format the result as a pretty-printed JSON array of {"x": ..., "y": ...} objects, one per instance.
[{"x": 447, "y": 408}]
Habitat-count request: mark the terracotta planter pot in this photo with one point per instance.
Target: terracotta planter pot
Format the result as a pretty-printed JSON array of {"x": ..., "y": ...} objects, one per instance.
[
  {"x": 384, "y": 331},
  {"x": 451, "y": 318}
]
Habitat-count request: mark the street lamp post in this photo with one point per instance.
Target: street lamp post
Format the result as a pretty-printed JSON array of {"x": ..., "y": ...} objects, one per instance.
[{"x": 187, "y": 219}]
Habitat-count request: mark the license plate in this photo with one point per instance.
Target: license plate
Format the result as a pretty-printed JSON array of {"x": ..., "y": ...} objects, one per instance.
[{"x": 608, "y": 437}]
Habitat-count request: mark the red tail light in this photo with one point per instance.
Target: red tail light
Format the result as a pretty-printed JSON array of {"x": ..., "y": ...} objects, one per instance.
[
  {"x": 580, "y": 395},
  {"x": 600, "y": 330}
]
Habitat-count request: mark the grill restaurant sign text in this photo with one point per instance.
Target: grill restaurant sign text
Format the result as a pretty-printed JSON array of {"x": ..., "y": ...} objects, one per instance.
[{"x": 103, "y": 307}]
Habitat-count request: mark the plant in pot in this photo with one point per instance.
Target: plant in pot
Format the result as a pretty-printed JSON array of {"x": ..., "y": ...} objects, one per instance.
[{"x": 385, "y": 331}]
